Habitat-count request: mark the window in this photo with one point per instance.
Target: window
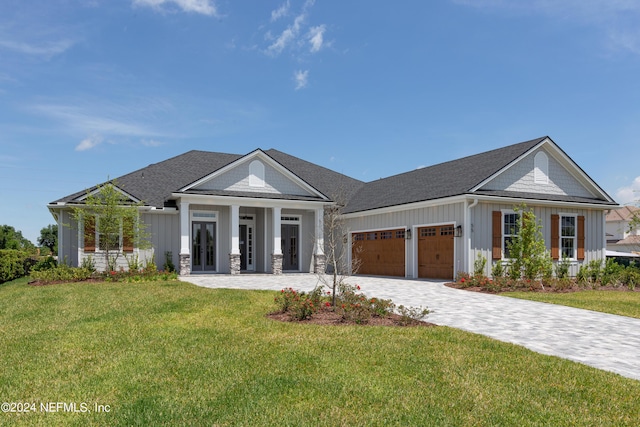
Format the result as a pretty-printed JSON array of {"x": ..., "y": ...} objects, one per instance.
[
  {"x": 400, "y": 234},
  {"x": 568, "y": 236},
  {"x": 386, "y": 235},
  {"x": 107, "y": 237},
  {"x": 510, "y": 229}
]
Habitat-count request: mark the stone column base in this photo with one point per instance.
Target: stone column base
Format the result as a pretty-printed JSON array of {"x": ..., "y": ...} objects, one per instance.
[
  {"x": 234, "y": 263},
  {"x": 185, "y": 264},
  {"x": 276, "y": 263},
  {"x": 319, "y": 264}
]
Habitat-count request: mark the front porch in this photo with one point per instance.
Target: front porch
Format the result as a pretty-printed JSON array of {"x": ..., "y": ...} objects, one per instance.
[{"x": 219, "y": 235}]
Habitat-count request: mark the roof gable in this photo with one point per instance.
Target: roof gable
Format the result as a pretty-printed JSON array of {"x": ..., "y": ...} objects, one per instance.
[
  {"x": 256, "y": 173},
  {"x": 561, "y": 177}
]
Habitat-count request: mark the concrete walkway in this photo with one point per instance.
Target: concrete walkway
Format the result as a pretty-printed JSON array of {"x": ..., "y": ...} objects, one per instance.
[{"x": 604, "y": 341}]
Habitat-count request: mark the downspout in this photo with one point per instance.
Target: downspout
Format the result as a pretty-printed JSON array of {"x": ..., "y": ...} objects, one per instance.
[{"x": 467, "y": 227}]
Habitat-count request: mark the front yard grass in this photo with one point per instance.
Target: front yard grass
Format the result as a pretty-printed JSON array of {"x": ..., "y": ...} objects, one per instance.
[
  {"x": 613, "y": 302},
  {"x": 170, "y": 353}
]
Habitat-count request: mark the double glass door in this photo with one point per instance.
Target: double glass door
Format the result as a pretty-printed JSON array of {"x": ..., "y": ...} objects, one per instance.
[{"x": 203, "y": 249}]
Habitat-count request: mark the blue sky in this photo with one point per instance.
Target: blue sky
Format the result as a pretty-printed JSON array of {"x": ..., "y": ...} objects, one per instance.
[{"x": 94, "y": 89}]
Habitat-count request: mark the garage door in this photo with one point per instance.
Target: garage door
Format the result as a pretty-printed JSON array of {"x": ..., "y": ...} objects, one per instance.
[
  {"x": 381, "y": 253},
  {"x": 435, "y": 252}
]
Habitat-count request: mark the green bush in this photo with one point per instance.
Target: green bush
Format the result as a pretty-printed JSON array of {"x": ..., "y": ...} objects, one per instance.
[
  {"x": 13, "y": 264},
  {"x": 411, "y": 315},
  {"x": 562, "y": 268},
  {"x": 47, "y": 263},
  {"x": 62, "y": 273}
]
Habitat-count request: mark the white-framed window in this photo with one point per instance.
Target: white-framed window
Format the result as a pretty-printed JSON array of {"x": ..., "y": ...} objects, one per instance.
[
  {"x": 568, "y": 236},
  {"x": 97, "y": 240},
  {"x": 510, "y": 229}
]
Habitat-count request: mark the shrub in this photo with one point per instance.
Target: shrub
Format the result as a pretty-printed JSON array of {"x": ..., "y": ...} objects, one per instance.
[
  {"x": 299, "y": 305},
  {"x": 45, "y": 263},
  {"x": 62, "y": 273},
  {"x": 13, "y": 264},
  {"x": 479, "y": 265},
  {"x": 168, "y": 262},
  {"x": 498, "y": 270},
  {"x": 410, "y": 315},
  {"x": 562, "y": 268}
]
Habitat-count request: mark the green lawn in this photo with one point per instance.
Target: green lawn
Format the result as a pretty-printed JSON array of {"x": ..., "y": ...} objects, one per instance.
[
  {"x": 614, "y": 302},
  {"x": 175, "y": 354}
]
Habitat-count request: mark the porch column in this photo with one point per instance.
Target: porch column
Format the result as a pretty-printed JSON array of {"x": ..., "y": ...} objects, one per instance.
[
  {"x": 276, "y": 256},
  {"x": 234, "y": 232},
  {"x": 319, "y": 258},
  {"x": 185, "y": 244}
]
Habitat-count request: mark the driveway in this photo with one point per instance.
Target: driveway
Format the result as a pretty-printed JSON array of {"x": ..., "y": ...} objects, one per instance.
[{"x": 604, "y": 341}]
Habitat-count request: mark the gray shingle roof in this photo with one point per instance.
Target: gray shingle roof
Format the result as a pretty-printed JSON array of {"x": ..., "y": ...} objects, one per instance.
[
  {"x": 155, "y": 183},
  {"x": 434, "y": 182}
]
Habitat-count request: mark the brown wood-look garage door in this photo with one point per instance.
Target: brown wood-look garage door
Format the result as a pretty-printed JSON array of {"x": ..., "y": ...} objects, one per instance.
[
  {"x": 435, "y": 252},
  {"x": 381, "y": 253}
]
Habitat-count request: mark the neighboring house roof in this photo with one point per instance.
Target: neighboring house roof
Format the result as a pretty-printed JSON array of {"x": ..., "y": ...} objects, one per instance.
[
  {"x": 156, "y": 183},
  {"x": 625, "y": 213},
  {"x": 629, "y": 240}
]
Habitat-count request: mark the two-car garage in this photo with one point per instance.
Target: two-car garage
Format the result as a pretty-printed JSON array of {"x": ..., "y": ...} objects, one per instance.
[{"x": 383, "y": 252}]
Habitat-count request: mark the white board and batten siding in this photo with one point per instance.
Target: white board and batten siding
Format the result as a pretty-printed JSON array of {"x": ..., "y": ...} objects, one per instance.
[{"x": 481, "y": 234}]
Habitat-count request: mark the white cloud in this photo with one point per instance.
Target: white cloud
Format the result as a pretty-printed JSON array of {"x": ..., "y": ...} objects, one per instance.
[
  {"x": 89, "y": 143},
  {"x": 301, "y": 78},
  {"x": 630, "y": 193},
  {"x": 280, "y": 12},
  {"x": 288, "y": 36},
  {"x": 316, "y": 38},
  {"x": 46, "y": 49},
  {"x": 203, "y": 7},
  {"x": 151, "y": 143}
]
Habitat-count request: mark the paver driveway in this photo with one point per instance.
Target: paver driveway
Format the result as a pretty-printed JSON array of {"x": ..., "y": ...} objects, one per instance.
[{"x": 604, "y": 341}]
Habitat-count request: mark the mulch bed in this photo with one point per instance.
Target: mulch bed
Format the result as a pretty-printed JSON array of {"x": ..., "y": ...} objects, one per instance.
[
  {"x": 538, "y": 288},
  {"x": 328, "y": 317}
]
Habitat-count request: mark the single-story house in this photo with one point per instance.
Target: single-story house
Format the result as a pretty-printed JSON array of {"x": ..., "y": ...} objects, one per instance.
[
  {"x": 265, "y": 212},
  {"x": 621, "y": 235}
]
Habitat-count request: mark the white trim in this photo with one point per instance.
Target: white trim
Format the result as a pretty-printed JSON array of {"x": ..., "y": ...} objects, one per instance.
[
  {"x": 575, "y": 216},
  {"x": 570, "y": 166},
  {"x": 504, "y": 169},
  {"x": 250, "y": 222},
  {"x": 99, "y": 188},
  {"x": 206, "y": 219},
  {"x": 204, "y": 199},
  {"x": 410, "y": 206},
  {"x": 502, "y": 235},
  {"x": 257, "y": 154}
]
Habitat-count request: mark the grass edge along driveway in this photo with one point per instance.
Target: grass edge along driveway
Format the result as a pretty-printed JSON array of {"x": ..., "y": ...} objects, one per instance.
[{"x": 170, "y": 353}]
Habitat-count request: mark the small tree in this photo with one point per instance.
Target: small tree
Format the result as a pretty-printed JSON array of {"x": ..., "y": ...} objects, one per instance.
[
  {"x": 49, "y": 238},
  {"x": 530, "y": 257},
  {"x": 114, "y": 216},
  {"x": 337, "y": 247}
]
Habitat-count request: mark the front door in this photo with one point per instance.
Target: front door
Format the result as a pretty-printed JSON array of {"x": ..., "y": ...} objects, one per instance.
[
  {"x": 246, "y": 247},
  {"x": 290, "y": 246},
  {"x": 203, "y": 248}
]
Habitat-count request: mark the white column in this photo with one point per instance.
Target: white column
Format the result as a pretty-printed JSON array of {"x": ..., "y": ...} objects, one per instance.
[
  {"x": 185, "y": 244},
  {"x": 319, "y": 249},
  {"x": 235, "y": 230},
  {"x": 277, "y": 231}
]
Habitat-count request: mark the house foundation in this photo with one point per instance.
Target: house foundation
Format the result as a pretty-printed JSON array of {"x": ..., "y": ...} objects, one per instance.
[
  {"x": 276, "y": 263},
  {"x": 234, "y": 263},
  {"x": 185, "y": 264}
]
